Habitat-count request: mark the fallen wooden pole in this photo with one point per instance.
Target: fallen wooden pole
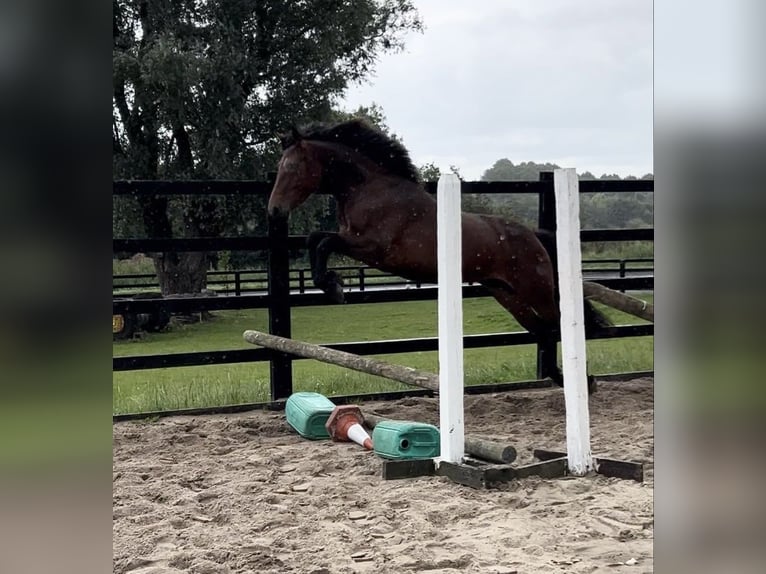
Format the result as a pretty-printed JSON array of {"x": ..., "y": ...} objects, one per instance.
[
  {"x": 617, "y": 300},
  {"x": 475, "y": 446},
  {"x": 406, "y": 375}
]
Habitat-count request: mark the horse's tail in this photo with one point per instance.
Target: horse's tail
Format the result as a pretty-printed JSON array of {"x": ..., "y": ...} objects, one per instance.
[{"x": 594, "y": 319}]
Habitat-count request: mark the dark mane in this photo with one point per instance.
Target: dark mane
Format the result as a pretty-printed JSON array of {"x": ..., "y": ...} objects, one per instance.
[{"x": 367, "y": 140}]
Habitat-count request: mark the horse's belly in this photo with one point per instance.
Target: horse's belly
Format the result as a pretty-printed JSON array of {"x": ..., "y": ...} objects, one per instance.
[
  {"x": 413, "y": 260},
  {"x": 416, "y": 259}
]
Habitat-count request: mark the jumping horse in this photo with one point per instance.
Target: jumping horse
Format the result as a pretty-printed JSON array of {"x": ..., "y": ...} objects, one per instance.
[{"x": 388, "y": 221}]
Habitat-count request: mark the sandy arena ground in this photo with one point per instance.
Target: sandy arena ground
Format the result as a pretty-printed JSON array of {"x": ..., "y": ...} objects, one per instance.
[{"x": 244, "y": 493}]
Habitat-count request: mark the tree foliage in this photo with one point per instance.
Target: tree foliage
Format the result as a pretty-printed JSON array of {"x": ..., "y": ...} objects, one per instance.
[
  {"x": 202, "y": 87},
  {"x": 472, "y": 202},
  {"x": 429, "y": 172},
  {"x": 521, "y": 207}
]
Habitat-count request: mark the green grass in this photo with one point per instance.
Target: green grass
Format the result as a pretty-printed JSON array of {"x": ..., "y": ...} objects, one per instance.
[
  {"x": 617, "y": 249},
  {"x": 159, "y": 389},
  {"x": 133, "y": 266}
]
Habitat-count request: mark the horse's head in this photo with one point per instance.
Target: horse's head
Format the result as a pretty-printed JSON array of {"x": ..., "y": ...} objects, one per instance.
[{"x": 298, "y": 176}]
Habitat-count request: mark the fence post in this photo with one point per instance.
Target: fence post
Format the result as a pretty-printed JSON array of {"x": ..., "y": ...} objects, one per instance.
[
  {"x": 237, "y": 283},
  {"x": 546, "y": 221},
  {"x": 622, "y": 272},
  {"x": 361, "y": 278},
  {"x": 301, "y": 280},
  {"x": 281, "y": 367}
]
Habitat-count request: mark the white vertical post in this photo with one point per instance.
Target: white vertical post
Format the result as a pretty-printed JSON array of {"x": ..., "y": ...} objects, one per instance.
[
  {"x": 449, "y": 250},
  {"x": 566, "y": 188}
]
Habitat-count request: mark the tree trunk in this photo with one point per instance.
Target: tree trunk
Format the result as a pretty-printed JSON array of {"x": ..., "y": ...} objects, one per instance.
[
  {"x": 181, "y": 273},
  {"x": 177, "y": 272}
]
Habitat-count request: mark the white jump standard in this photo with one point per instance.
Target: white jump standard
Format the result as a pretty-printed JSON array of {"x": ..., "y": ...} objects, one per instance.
[{"x": 452, "y": 463}]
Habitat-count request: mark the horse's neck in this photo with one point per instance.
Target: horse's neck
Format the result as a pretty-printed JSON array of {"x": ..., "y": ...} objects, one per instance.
[
  {"x": 381, "y": 189},
  {"x": 352, "y": 178},
  {"x": 345, "y": 171}
]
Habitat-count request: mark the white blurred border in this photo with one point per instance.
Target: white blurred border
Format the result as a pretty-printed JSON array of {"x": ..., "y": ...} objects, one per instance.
[{"x": 710, "y": 79}]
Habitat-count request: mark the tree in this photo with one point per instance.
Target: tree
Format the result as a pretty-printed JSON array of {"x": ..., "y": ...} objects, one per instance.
[
  {"x": 429, "y": 172},
  {"x": 373, "y": 113},
  {"x": 201, "y": 88},
  {"x": 505, "y": 170},
  {"x": 521, "y": 207},
  {"x": 471, "y": 202}
]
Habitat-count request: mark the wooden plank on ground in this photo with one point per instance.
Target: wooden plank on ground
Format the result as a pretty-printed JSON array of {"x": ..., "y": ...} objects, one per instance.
[{"x": 396, "y": 469}]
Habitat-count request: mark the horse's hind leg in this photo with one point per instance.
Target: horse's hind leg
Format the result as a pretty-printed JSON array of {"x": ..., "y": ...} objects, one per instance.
[
  {"x": 543, "y": 326},
  {"x": 539, "y": 317}
]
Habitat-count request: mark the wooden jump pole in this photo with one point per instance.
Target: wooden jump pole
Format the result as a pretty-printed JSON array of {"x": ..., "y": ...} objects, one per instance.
[
  {"x": 621, "y": 301},
  {"x": 406, "y": 375}
]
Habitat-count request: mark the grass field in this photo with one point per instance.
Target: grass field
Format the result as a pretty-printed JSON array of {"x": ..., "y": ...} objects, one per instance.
[{"x": 159, "y": 389}]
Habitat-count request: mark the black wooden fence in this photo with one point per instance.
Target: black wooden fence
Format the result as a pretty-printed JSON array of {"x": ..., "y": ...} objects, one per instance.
[
  {"x": 360, "y": 277},
  {"x": 279, "y": 299}
]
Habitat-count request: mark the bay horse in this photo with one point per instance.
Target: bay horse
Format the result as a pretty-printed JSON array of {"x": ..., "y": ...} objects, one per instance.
[{"x": 388, "y": 221}]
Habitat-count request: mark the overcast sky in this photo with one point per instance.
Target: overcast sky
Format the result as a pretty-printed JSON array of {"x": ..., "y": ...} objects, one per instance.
[{"x": 566, "y": 81}]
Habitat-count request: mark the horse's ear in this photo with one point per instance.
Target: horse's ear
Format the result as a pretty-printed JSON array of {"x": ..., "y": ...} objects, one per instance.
[{"x": 296, "y": 135}]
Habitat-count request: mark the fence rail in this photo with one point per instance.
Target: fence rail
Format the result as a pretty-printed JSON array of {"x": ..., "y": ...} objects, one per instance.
[
  {"x": 281, "y": 295},
  {"x": 358, "y": 277},
  {"x": 223, "y": 187},
  {"x": 313, "y": 299},
  {"x": 298, "y": 242}
]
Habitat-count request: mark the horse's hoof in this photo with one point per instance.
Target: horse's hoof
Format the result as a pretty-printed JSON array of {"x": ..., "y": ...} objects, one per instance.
[
  {"x": 592, "y": 385},
  {"x": 335, "y": 293},
  {"x": 332, "y": 285}
]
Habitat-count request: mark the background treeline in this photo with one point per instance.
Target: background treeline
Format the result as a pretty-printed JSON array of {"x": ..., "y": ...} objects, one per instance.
[{"x": 597, "y": 210}]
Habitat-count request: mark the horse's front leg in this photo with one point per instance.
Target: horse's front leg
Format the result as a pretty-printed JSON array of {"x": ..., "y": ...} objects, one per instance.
[{"x": 321, "y": 245}]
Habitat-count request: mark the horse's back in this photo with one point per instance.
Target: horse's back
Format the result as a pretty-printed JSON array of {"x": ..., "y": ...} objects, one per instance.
[{"x": 502, "y": 248}]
